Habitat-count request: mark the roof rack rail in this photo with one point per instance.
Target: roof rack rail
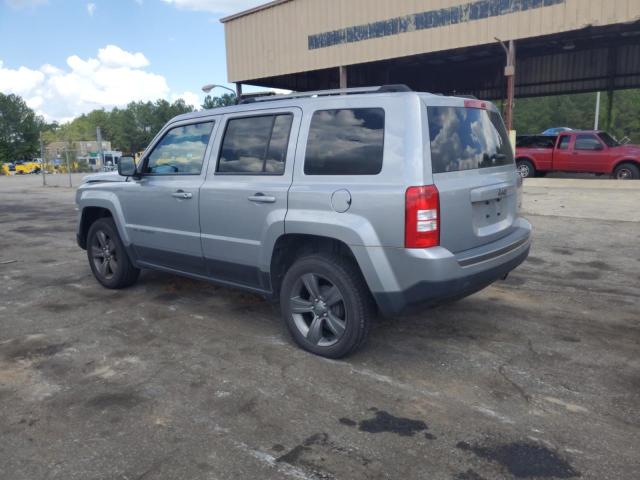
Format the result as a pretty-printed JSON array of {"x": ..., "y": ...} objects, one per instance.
[{"x": 326, "y": 93}]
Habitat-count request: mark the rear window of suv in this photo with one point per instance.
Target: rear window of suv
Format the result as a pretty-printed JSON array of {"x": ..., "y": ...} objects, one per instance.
[
  {"x": 345, "y": 142},
  {"x": 466, "y": 139}
]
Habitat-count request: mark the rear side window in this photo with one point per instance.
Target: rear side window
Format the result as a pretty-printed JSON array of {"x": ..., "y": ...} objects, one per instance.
[
  {"x": 535, "y": 141},
  {"x": 467, "y": 138},
  {"x": 586, "y": 142},
  {"x": 345, "y": 142},
  {"x": 255, "y": 145},
  {"x": 564, "y": 142}
]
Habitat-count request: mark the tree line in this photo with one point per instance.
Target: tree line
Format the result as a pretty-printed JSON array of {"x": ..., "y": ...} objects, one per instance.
[
  {"x": 577, "y": 111},
  {"x": 131, "y": 128}
]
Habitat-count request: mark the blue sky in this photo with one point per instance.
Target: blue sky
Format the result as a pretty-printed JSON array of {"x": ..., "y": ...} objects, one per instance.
[{"x": 66, "y": 57}]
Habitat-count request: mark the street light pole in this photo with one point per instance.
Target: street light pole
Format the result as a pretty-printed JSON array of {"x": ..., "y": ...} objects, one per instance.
[
  {"x": 211, "y": 86},
  {"x": 595, "y": 123}
]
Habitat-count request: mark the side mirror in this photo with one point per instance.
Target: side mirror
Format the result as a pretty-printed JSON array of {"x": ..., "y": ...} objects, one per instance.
[
  {"x": 127, "y": 167},
  {"x": 598, "y": 147}
]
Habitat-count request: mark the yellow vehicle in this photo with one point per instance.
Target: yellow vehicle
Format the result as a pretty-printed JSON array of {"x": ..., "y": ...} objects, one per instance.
[{"x": 24, "y": 168}]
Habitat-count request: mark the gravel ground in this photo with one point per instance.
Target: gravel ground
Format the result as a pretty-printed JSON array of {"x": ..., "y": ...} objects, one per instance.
[{"x": 535, "y": 377}]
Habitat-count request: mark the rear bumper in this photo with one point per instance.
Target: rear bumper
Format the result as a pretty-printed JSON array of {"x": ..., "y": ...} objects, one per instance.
[{"x": 403, "y": 279}]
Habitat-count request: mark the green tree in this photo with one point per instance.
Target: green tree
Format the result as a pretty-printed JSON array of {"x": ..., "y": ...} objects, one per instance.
[
  {"x": 534, "y": 115},
  {"x": 19, "y": 129},
  {"x": 129, "y": 129},
  {"x": 214, "y": 102}
]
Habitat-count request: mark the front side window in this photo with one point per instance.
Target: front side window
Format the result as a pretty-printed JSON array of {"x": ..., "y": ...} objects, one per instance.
[
  {"x": 345, "y": 142},
  {"x": 467, "y": 138},
  {"x": 255, "y": 145},
  {"x": 181, "y": 151},
  {"x": 564, "y": 142},
  {"x": 587, "y": 142}
]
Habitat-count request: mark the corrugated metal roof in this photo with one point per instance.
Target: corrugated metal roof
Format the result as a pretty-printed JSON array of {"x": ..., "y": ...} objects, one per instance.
[{"x": 291, "y": 37}]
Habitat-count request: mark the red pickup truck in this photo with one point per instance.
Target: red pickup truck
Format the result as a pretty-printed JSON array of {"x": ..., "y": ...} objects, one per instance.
[{"x": 577, "y": 151}]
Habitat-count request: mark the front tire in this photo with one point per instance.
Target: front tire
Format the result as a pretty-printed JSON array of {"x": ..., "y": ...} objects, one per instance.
[
  {"x": 525, "y": 168},
  {"x": 626, "y": 171},
  {"x": 326, "y": 305},
  {"x": 107, "y": 256}
]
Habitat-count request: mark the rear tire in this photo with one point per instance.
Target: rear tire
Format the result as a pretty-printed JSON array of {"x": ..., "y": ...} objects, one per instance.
[
  {"x": 626, "y": 171},
  {"x": 525, "y": 168},
  {"x": 326, "y": 305},
  {"x": 107, "y": 256}
]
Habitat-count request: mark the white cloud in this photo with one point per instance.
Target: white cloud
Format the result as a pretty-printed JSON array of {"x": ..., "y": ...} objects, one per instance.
[
  {"x": 216, "y": 6},
  {"x": 20, "y": 81},
  {"x": 189, "y": 98},
  {"x": 114, "y": 56},
  {"x": 115, "y": 78},
  {"x": 19, "y": 4},
  {"x": 91, "y": 8}
]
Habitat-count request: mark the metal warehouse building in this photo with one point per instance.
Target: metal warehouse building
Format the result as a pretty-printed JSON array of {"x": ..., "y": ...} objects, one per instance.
[{"x": 447, "y": 46}]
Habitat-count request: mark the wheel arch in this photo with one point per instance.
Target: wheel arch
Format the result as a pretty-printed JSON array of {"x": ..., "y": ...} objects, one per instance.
[
  {"x": 99, "y": 200},
  {"x": 291, "y": 246},
  {"x": 528, "y": 158},
  {"x": 88, "y": 216},
  {"x": 617, "y": 163}
]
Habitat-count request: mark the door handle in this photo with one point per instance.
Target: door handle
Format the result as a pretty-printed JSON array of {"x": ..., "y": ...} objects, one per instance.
[
  {"x": 182, "y": 195},
  {"x": 262, "y": 198}
]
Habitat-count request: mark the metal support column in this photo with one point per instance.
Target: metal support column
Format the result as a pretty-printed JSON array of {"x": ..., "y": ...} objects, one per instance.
[
  {"x": 342, "y": 71},
  {"x": 238, "y": 92}
]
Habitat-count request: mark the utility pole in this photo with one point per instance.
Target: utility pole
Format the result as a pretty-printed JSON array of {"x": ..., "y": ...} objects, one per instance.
[
  {"x": 510, "y": 73},
  {"x": 66, "y": 155},
  {"x": 99, "y": 140},
  {"x": 595, "y": 123},
  {"x": 44, "y": 180}
]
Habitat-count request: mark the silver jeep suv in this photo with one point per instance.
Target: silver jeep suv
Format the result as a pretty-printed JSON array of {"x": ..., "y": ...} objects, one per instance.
[{"x": 338, "y": 203}]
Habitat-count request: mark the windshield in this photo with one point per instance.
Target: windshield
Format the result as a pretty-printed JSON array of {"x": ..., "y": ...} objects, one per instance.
[
  {"x": 467, "y": 138},
  {"x": 608, "y": 139}
]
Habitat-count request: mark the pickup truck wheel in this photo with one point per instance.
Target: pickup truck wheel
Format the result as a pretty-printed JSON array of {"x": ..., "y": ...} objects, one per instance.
[
  {"x": 526, "y": 168},
  {"x": 627, "y": 171},
  {"x": 326, "y": 305},
  {"x": 108, "y": 258}
]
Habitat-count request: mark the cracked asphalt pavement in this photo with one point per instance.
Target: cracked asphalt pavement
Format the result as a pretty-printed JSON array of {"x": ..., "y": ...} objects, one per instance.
[{"x": 537, "y": 376}]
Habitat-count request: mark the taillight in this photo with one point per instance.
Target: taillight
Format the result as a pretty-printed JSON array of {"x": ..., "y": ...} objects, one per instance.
[
  {"x": 422, "y": 217},
  {"x": 475, "y": 104}
]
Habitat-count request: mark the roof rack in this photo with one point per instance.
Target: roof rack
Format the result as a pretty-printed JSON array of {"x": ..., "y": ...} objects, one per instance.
[{"x": 326, "y": 93}]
